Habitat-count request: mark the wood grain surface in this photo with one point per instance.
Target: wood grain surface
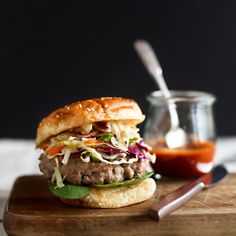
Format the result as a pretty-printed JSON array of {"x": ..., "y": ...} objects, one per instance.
[{"x": 32, "y": 210}]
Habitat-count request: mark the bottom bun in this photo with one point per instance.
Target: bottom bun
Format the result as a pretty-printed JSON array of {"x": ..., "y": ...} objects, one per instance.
[{"x": 117, "y": 196}]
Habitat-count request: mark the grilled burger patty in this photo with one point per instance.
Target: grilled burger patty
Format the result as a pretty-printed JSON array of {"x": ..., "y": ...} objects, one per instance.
[{"x": 91, "y": 173}]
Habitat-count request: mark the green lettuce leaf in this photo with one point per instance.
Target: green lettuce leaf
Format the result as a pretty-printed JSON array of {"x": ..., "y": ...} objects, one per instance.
[{"x": 69, "y": 191}]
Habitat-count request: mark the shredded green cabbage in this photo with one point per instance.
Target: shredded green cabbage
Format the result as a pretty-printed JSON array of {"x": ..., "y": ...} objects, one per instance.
[
  {"x": 66, "y": 157},
  {"x": 124, "y": 133},
  {"x": 57, "y": 176},
  {"x": 120, "y": 136}
]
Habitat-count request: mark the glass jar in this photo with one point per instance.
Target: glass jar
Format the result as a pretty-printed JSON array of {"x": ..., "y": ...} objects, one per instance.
[{"x": 195, "y": 115}]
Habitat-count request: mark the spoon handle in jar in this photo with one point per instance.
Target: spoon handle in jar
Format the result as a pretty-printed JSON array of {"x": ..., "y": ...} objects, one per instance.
[
  {"x": 149, "y": 59},
  {"x": 175, "y": 200}
]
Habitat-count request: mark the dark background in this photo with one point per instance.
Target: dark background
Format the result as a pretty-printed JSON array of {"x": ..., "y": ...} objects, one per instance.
[{"x": 56, "y": 53}]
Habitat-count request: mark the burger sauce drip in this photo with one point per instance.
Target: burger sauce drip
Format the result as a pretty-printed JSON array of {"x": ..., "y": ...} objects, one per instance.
[{"x": 190, "y": 161}]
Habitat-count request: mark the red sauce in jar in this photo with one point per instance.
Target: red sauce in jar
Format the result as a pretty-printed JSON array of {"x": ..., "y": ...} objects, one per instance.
[{"x": 190, "y": 161}]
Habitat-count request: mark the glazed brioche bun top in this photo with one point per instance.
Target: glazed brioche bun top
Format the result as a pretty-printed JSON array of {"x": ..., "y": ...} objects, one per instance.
[{"x": 88, "y": 111}]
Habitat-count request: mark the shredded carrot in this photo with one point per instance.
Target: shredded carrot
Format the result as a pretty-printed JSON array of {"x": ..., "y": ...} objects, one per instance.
[
  {"x": 55, "y": 150},
  {"x": 93, "y": 141}
]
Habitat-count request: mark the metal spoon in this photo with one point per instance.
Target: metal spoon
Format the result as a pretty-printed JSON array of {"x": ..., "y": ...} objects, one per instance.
[{"x": 175, "y": 137}]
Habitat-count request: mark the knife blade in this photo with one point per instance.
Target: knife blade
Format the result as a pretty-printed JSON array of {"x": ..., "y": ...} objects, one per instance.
[{"x": 180, "y": 196}]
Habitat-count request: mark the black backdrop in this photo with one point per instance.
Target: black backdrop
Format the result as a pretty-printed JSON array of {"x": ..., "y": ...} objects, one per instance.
[{"x": 56, "y": 53}]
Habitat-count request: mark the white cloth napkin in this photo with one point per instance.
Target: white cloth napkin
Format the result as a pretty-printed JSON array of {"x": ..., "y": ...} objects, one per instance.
[
  {"x": 18, "y": 157},
  {"x": 226, "y": 152}
]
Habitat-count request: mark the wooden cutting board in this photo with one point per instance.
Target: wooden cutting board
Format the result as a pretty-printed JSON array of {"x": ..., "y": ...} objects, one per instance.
[{"x": 33, "y": 210}]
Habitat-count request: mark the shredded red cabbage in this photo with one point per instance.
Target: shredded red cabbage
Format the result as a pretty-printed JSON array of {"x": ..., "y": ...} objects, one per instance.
[
  {"x": 72, "y": 155},
  {"x": 134, "y": 150},
  {"x": 141, "y": 146},
  {"x": 109, "y": 150},
  {"x": 75, "y": 154}
]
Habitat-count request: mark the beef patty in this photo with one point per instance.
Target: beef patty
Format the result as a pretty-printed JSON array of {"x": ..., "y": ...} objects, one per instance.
[{"x": 78, "y": 172}]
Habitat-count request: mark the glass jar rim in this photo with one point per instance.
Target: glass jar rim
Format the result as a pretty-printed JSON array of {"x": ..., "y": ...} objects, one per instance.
[{"x": 182, "y": 96}]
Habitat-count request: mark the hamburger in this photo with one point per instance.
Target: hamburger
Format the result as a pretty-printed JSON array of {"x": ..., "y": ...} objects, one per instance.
[{"x": 93, "y": 155}]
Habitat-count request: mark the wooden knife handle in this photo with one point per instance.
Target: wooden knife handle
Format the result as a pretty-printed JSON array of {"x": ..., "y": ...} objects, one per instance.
[{"x": 175, "y": 200}]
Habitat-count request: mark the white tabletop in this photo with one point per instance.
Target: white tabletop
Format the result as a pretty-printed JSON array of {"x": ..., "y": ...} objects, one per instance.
[{"x": 19, "y": 157}]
